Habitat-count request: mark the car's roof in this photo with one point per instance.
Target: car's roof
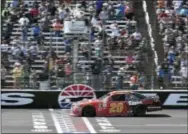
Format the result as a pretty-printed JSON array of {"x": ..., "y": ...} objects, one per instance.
[{"x": 121, "y": 92}]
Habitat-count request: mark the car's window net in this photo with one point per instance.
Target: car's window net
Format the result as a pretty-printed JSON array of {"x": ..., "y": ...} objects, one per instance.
[
  {"x": 140, "y": 96},
  {"x": 104, "y": 96},
  {"x": 119, "y": 97}
]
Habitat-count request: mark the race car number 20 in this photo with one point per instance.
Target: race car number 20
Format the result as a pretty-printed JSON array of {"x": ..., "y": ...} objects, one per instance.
[{"x": 116, "y": 107}]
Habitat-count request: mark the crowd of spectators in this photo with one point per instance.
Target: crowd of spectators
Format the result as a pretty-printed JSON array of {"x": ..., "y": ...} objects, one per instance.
[
  {"x": 120, "y": 41},
  {"x": 173, "y": 23},
  {"x": 24, "y": 49},
  {"x": 48, "y": 16}
]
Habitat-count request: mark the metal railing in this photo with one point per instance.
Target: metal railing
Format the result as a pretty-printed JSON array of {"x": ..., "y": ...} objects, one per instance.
[{"x": 102, "y": 81}]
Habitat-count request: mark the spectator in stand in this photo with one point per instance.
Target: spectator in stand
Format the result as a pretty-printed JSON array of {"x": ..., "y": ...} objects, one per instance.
[
  {"x": 36, "y": 30},
  {"x": 33, "y": 50},
  {"x": 137, "y": 37},
  {"x": 45, "y": 24},
  {"x": 7, "y": 32},
  {"x": 25, "y": 75},
  {"x": 44, "y": 80},
  {"x": 60, "y": 61},
  {"x": 16, "y": 52},
  {"x": 60, "y": 77},
  {"x": 68, "y": 1},
  {"x": 103, "y": 15},
  {"x": 94, "y": 21},
  {"x": 109, "y": 61},
  {"x": 67, "y": 44},
  {"x": 3, "y": 76},
  {"x": 161, "y": 79},
  {"x": 85, "y": 52},
  {"x": 68, "y": 71},
  {"x": 161, "y": 4},
  {"x": 57, "y": 26},
  {"x": 17, "y": 75},
  {"x": 33, "y": 79},
  {"x": 52, "y": 8},
  {"x": 142, "y": 80},
  {"x": 77, "y": 12},
  {"x": 134, "y": 81},
  {"x": 24, "y": 22},
  {"x": 67, "y": 58},
  {"x": 129, "y": 59},
  {"x": 120, "y": 79},
  {"x": 115, "y": 30},
  {"x": 99, "y": 5},
  {"x": 164, "y": 74},
  {"x": 98, "y": 50},
  {"x": 184, "y": 74},
  {"x": 34, "y": 12},
  {"x": 14, "y": 4},
  {"x": 96, "y": 68},
  {"x": 4, "y": 49},
  {"x": 50, "y": 54},
  {"x": 61, "y": 13},
  {"x": 108, "y": 78}
]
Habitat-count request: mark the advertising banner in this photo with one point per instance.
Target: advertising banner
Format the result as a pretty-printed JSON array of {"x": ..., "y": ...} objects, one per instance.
[{"x": 73, "y": 93}]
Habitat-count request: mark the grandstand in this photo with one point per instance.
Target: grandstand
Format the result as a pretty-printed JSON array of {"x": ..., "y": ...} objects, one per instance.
[
  {"x": 82, "y": 67},
  {"x": 173, "y": 28}
]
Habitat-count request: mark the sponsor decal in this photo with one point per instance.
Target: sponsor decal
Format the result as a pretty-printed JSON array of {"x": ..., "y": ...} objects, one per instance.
[
  {"x": 106, "y": 126},
  {"x": 39, "y": 123},
  {"x": 175, "y": 99},
  {"x": 75, "y": 93},
  {"x": 133, "y": 103},
  {"x": 16, "y": 99},
  {"x": 100, "y": 106}
]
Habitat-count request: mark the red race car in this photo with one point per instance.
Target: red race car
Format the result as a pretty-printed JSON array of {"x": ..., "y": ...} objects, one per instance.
[{"x": 117, "y": 103}]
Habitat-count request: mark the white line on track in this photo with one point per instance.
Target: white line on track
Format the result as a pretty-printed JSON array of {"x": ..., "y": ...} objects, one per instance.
[
  {"x": 149, "y": 125},
  {"x": 88, "y": 124},
  {"x": 56, "y": 123},
  {"x": 167, "y": 125}
]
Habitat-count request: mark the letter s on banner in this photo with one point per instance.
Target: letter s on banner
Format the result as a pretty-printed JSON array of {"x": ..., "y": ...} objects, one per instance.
[
  {"x": 16, "y": 99},
  {"x": 176, "y": 100}
]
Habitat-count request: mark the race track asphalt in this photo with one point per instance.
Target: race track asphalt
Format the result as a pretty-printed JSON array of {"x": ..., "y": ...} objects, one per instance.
[{"x": 59, "y": 121}]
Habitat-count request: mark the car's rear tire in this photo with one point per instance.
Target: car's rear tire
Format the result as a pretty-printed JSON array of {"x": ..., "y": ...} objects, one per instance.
[
  {"x": 88, "y": 111},
  {"x": 139, "y": 111}
]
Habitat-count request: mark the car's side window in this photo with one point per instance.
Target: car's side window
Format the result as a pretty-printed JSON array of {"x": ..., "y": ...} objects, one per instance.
[
  {"x": 133, "y": 97},
  {"x": 127, "y": 97},
  {"x": 118, "y": 97},
  {"x": 139, "y": 96}
]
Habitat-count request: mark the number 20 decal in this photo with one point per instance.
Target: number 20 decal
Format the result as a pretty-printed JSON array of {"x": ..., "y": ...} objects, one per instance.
[{"x": 116, "y": 107}]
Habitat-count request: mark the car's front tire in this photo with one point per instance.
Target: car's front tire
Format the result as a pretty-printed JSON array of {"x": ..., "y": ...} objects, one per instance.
[
  {"x": 139, "y": 111},
  {"x": 88, "y": 111}
]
